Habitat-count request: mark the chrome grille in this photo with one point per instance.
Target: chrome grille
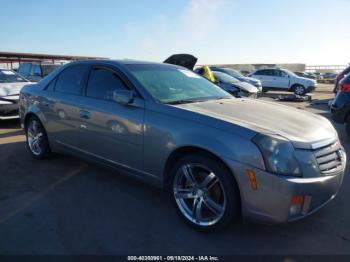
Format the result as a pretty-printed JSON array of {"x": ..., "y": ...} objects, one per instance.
[{"x": 329, "y": 158}]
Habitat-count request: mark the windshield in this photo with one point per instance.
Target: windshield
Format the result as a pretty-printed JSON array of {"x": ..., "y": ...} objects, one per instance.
[
  {"x": 225, "y": 78},
  {"x": 9, "y": 76},
  {"x": 232, "y": 72},
  {"x": 169, "y": 84}
]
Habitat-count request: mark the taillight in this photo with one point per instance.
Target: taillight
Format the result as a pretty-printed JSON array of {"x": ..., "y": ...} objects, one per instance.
[{"x": 344, "y": 87}]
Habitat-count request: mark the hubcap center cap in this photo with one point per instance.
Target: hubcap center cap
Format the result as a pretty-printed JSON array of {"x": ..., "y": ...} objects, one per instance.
[{"x": 200, "y": 193}]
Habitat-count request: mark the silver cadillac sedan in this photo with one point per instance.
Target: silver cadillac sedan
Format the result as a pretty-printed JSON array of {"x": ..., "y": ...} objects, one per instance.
[{"x": 220, "y": 157}]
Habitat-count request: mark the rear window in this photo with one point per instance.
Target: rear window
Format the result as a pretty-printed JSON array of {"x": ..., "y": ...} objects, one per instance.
[{"x": 70, "y": 81}]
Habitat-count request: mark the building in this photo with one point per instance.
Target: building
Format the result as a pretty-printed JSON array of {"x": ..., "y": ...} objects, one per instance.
[{"x": 12, "y": 60}]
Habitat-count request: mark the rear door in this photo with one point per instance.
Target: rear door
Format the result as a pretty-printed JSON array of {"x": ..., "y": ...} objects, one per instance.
[
  {"x": 62, "y": 104},
  {"x": 110, "y": 131},
  {"x": 265, "y": 76}
]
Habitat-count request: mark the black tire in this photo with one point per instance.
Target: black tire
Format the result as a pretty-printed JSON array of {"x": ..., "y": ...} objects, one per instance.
[
  {"x": 299, "y": 90},
  {"x": 265, "y": 90},
  {"x": 43, "y": 141},
  {"x": 347, "y": 126},
  {"x": 230, "y": 192}
]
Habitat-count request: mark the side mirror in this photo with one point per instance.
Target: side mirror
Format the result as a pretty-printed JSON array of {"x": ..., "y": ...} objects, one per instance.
[{"x": 124, "y": 97}]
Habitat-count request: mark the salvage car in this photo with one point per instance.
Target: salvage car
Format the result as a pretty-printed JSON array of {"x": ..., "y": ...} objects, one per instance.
[
  {"x": 220, "y": 157},
  {"x": 238, "y": 75},
  {"x": 234, "y": 86},
  {"x": 340, "y": 106},
  {"x": 305, "y": 74},
  {"x": 10, "y": 85},
  {"x": 283, "y": 79}
]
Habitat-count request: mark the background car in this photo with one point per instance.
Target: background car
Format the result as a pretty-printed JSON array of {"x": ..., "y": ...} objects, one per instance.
[
  {"x": 234, "y": 86},
  {"x": 34, "y": 71},
  {"x": 340, "y": 106},
  {"x": 305, "y": 74},
  {"x": 11, "y": 84},
  {"x": 329, "y": 78},
  {"x": 339, "y": 77},
  {"x": 238, "y": 75},
  {"x": 319, "y": 75},
  {"x": 282, "y": 79}
]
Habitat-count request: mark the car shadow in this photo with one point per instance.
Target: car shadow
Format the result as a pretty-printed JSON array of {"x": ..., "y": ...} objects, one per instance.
[{"x": 10, "y": 124}]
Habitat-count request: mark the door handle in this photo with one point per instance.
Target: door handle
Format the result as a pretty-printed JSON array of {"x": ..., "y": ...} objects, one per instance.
[{"x": 84, "y": 114}]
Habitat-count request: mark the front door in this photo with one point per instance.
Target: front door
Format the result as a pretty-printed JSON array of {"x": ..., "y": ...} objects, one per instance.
[
  {"x": 110, "y": 131},
  {"x": 281, "y": 79}
]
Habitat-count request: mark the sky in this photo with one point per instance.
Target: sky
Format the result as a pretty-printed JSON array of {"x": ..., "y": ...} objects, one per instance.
[{"x": 315, "y": 32}]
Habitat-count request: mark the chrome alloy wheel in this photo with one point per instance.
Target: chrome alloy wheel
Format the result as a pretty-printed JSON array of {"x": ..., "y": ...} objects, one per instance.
[
  {"x": 35, "y": 137},
  {"x": 199, "y": 194}
]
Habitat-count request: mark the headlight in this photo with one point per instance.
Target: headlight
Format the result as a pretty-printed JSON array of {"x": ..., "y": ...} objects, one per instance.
[{"x": 278, "y": 154}]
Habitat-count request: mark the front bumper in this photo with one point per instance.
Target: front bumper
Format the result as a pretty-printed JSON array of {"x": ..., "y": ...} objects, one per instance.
[
  {"x": 272, "y": 201},
  {"x": 311, "y": 88},
  {"x": 9, "y": 111}
]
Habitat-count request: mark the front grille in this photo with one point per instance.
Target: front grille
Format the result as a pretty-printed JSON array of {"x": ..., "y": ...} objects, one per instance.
[{"x": 329, "y": 158}]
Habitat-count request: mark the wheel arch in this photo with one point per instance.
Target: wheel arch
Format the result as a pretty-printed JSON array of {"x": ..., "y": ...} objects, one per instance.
[
  {"x": 180, "y": 152},
  {"x": 292, "y": 88},
  {"x": 28, "y": 116}
]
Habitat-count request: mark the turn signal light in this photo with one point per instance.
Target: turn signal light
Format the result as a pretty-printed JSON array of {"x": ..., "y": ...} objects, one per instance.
[
  {"x": 252, "y": 179},
  {"x": 297, "y": 200}
]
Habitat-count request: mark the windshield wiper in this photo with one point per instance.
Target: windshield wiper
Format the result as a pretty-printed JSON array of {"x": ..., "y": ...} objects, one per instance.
[{"x": 185, "y": 101}]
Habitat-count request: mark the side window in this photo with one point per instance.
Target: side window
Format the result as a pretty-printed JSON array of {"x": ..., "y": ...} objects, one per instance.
[
  {"x": 270, "y": 72},
  {"x": 260, "y": 72},
  {"x": 71, "y": 79},
  {"x": 283, "y": 74},
  {"x": 24, "y": 69},
  {"x": 277, "y": 73},
  {"x": 102, "y": 83},
  {"x": 36, "y": 70}
]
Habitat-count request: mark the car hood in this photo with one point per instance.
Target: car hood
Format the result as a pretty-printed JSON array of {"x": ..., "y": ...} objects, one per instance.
[
  {"x": 307, "y": 80},
  {"x": 250, "y": 79},
  {"x": 9, "y": 89},
  {"x": 246, "y": 86},
  {"x": 185, "y": 60},
  {"x": 305, "y": 130}
]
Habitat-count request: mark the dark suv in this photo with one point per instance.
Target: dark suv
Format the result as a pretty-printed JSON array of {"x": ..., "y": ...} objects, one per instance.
[
  {"x": 340, "y": 107},
  {"x": 35, "y": 71}
]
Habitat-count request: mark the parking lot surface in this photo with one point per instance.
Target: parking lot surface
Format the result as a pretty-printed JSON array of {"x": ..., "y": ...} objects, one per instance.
[{"x": 64, "y": 205}]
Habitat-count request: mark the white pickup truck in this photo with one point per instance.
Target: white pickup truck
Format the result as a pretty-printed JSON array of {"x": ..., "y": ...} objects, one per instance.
[{"x": 282, "y": 79}]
